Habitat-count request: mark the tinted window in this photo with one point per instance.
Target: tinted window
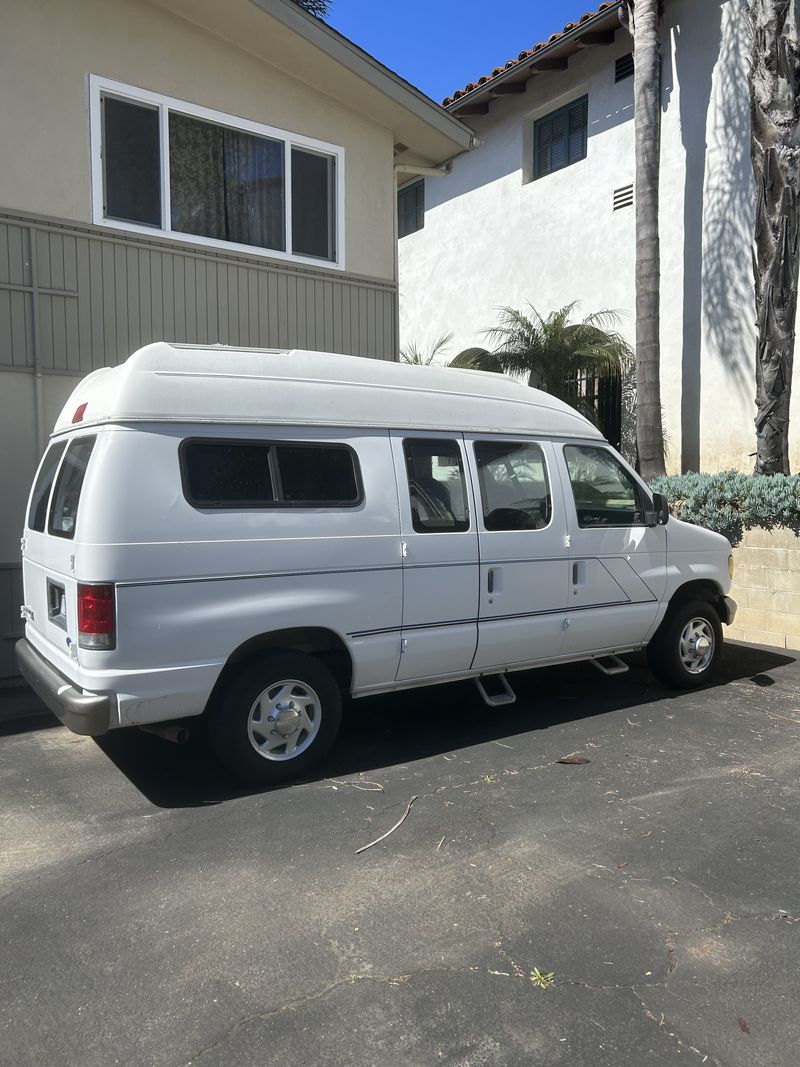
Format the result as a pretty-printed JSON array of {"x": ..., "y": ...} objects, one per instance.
[
  {"x": 312, "y": 204},
  {"x": 41, "y": 489},
  {"x": 247, "y": 474},
  {"x": 67, "y": 492},
  {"x": 436, "y": 486},
  {"x": 219, "y": 472},
  {"x": 411, "y": 208},
  {"x": 317, "y": 475},
  {"x": 514, "y": 488},
  {"x": 131, "y": 162},
  {"x": 605, "y": 494}
]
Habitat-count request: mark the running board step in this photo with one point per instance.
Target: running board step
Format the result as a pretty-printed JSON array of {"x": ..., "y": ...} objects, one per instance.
[
  {"x": 495, "y": 700},
  {"x": 610, "y": 665}
]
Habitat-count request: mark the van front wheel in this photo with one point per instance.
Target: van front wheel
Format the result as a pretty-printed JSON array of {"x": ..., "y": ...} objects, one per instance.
[
  {"x": 686, "y": 647},
  {"x": 277, "y": 719}
]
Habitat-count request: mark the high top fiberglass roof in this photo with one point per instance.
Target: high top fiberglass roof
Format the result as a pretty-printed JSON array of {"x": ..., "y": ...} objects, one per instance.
[{"x": 216, "y": 384}]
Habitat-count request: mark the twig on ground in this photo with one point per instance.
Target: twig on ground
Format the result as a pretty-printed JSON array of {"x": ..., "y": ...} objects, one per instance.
[
  {"x": 440, "y": 843},
  {"x": 383, "y": 837}
]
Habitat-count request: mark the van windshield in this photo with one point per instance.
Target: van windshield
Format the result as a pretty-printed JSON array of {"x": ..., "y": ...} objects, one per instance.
[
  {"x": 67, "y": 493},
  {"x": 41, "y": 489}
]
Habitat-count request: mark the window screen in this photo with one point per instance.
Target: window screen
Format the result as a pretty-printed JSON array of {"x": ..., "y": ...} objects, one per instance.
[
  {"x": 67, "y": 492},
  {"x": 411, "y": 208},
  {"x": 225, "y": 183},
  {"x": 131, "y": 162},
  {"x": 41, "y": 490},
  {"x": 560, "y": 139},
  {"x": 514, "y": 489},
  {"x": 312, "y": 204},
  {"x": 231, "y": 474},
  {"x": 436, "y": 486},
  {"x": 605, "y": 494}
]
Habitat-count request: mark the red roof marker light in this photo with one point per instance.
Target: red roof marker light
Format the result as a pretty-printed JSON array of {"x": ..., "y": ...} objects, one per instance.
[{"x": 79, "y": 411}]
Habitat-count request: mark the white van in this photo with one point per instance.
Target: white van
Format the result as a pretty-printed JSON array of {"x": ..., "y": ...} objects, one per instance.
[{"x": 246, "y": 534}]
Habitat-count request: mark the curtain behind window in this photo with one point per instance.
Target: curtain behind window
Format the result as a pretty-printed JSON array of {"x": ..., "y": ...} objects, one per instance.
[{"x": 226, "y": 184}]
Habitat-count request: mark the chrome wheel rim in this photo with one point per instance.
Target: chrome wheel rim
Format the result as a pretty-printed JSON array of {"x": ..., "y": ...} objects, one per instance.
[
  {"x": 284, "y": 719},
  {"x": 697, "y": 645}
]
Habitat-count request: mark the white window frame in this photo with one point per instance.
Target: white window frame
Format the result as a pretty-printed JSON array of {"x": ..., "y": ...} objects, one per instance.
[{"x": 99, "y": 87}]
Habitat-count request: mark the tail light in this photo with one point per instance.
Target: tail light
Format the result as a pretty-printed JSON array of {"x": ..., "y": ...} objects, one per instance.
[{"x": 96, "y": 616}]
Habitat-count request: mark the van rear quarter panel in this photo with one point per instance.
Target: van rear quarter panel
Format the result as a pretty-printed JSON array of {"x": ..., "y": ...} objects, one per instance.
[{"x": 194, "y": 584}]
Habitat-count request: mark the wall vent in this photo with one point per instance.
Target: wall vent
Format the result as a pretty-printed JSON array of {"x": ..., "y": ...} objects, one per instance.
[
  {"x": 623, "y": 197},
  {"x": 623, "y": 67}
]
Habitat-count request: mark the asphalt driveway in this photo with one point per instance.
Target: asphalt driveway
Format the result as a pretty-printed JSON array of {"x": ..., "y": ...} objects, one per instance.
[{"x": 152, "y": 913}]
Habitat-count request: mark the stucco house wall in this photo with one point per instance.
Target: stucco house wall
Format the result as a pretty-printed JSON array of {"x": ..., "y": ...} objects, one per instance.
[{"x": 492, "y": 237}]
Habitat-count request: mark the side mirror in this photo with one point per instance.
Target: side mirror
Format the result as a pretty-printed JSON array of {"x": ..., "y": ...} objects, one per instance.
[{"x": 659, "y": 515}]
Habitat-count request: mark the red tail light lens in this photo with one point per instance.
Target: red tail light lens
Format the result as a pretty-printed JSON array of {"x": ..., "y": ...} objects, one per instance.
[{"x": 96, "y": 616}]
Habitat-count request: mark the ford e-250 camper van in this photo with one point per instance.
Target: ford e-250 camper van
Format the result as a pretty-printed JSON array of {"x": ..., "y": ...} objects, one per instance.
[{"x": 247, "y": 534}]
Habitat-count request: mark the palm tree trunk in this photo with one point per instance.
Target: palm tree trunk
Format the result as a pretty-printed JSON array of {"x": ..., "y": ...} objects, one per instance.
[
  {"x": 774, "y": 103},
  {"x": 642, "y": 18}
]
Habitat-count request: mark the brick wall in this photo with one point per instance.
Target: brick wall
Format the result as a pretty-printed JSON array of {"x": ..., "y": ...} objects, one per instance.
[{"x": 766, "y": 586}]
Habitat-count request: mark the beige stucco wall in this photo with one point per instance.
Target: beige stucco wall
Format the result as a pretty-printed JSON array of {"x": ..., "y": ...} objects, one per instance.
[{"x": 50, "y": 47}]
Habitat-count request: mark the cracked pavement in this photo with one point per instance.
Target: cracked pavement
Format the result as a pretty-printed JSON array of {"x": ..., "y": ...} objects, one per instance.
[{"x": 155, "y": 914}]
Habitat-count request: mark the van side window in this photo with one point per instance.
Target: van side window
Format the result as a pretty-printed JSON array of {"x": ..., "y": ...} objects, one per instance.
[
  {"x": 44, "y": 481},
  {"x": 250, "y": 474},
  {"x": 515, "y": 492},
  {"x": 436, "y": 486},
  {"x": 67, "y": 492},
  {"x": 605, "y": 494}
]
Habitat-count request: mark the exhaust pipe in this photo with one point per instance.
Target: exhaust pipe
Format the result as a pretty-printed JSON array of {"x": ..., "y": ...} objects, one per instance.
[{"x": 169, "y": 731}]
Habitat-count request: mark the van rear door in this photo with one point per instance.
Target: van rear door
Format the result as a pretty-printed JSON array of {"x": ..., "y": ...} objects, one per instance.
[{"x": 48, "y": 557}]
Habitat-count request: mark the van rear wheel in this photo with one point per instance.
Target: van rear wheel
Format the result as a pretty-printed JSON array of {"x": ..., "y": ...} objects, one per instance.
[
  {"x": 685, "y": 649},
  {"x": 277, "y": 719}
]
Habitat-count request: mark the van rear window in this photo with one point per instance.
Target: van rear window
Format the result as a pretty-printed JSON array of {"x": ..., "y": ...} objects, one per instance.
[
  {"x": 249, "y": 474},
  {"x": 37, "y": 514},
  {"x": 67, "y": 492}
]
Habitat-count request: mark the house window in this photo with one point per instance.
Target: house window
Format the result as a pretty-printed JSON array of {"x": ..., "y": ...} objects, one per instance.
[
  {"x": 411, "y": 208},
  {"x": 166, "y": 166},
  {"x": 559, "y": 139}
]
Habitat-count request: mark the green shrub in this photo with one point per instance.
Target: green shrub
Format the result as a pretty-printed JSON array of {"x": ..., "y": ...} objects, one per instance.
[{"x": 731, "y": 503}]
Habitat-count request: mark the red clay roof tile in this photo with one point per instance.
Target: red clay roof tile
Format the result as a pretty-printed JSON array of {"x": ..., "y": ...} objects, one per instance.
[{"x": 527, "y": 53}]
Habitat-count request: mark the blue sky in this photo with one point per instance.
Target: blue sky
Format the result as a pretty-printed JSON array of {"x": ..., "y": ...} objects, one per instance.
[{"x": 440, "y": 45}]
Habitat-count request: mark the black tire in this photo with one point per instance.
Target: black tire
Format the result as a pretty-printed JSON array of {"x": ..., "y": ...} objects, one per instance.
[
  {"x": 668, "y": 661},
  {"x": 236, "y": 726}
]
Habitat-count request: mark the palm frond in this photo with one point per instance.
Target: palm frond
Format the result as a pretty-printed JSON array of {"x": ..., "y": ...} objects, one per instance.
[{"x": 425, "y": 357}]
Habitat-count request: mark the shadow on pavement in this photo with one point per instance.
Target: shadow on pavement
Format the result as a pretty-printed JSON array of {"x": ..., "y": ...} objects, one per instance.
[{"x": 411, "y": 725}]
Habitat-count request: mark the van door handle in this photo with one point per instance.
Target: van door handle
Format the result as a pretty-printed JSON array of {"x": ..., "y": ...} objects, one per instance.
[
  {"x": 490, "y": 581},
  {"x": 579, "y": 572}
]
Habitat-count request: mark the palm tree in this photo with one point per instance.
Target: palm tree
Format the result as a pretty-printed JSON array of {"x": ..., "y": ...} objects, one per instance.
[
  {"x": 553, "y": 352},
  {"x": 315, "y": 7},
  {"x": 774, "y": 101},
  {"x": 421, "y": 357},
  {"x": 642, "y": 18}
]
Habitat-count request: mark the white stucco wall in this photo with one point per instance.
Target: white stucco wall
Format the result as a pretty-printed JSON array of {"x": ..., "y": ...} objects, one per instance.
[{"x": 491, "y": 238}]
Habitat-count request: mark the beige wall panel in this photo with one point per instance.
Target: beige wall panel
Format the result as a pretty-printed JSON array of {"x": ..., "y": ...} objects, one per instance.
[{"x": 49, "y": 49}]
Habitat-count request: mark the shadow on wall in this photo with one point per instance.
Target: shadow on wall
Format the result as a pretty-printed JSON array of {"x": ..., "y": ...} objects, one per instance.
[
  {"x": 725, "y": 284},
  {"x": 697, "y": 38}
]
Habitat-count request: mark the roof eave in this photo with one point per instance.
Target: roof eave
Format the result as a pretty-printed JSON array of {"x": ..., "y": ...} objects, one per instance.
[
  {"x": 344, "y": 51},
  {"x": 481, "y": 93}
]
